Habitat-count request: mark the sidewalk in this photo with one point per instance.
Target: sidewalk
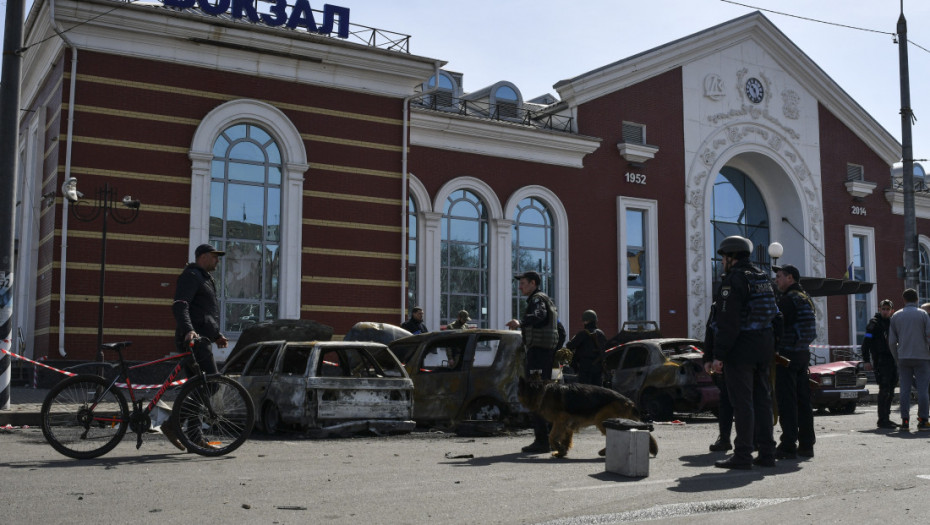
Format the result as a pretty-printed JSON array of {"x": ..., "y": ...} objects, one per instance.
[{"x": 25, "y": 406}]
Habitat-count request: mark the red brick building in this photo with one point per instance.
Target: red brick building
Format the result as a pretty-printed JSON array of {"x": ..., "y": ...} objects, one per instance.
[{"x": 345, "y": 188}]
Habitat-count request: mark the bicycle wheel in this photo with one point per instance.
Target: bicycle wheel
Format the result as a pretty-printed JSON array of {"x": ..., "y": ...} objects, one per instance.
[
  {"x": 81, "y": 419},
  {"x": 213, "y": 418}
]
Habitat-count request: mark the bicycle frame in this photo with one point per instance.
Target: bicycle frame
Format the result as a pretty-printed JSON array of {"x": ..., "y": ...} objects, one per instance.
[{"x": 123, "y": 374}]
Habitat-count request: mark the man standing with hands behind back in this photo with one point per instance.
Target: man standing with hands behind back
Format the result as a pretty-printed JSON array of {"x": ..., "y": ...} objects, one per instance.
[{"x": 540, "y": 337}]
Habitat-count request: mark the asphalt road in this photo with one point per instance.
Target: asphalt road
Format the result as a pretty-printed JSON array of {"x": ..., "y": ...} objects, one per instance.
[{"x": 859, "y": 475}]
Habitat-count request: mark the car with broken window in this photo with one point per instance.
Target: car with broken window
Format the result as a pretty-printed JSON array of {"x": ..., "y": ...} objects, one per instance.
[
  {"x": 838, "y": 386},
  {"x": 662, "y": 376},
  {"x": 465, "y": 379},
  {"x": 325, "y": 387}
]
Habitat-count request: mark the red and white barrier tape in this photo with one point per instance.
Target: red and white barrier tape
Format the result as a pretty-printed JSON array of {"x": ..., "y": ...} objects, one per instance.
[
  {"x": 71, "y": 374},
  {"x": 17, "y": 356},
  {"x": 834, "y": 346}
]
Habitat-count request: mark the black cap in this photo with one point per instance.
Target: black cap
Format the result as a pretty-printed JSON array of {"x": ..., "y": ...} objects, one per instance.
[
  {"x": 789, "y": 269},
  {"x": 207, "y": 248},
  {"x": 529, "y": 276}
]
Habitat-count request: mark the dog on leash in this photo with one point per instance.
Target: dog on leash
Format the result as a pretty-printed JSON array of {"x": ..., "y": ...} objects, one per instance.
[{"x": 571, "y": 407}]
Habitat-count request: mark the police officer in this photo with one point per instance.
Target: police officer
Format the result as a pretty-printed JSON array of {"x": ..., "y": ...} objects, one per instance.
[
  {"x": 792, "y": 382},
  {"x": 588, "y": 346},
  {"x": 539, "y": 327},
  {"x": 744, "y": 347}
]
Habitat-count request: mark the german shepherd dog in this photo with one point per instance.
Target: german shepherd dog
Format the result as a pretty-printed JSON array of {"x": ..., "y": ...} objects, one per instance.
[{"x": 571, "y": 407}]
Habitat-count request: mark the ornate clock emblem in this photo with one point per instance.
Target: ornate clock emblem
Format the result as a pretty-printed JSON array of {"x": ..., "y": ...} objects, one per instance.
[{"x": 754, "y": 90}]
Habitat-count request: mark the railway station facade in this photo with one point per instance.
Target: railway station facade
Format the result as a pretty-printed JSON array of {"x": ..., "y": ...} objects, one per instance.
[{"x": 349, "y": 179}]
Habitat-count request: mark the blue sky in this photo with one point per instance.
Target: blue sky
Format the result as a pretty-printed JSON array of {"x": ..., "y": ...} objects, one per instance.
[{"x": 536, "y": 43}]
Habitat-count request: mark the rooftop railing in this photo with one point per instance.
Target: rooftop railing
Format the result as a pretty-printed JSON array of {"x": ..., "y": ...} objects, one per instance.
[{"x": 503, "y": 112}]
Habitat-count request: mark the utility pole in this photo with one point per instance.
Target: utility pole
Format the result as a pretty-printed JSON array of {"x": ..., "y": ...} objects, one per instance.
[
  {"x": 9, "y": 153},
  {"x": 911, "y": 260}
]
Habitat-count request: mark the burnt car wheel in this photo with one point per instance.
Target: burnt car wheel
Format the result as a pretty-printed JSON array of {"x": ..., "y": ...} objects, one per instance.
[
  {"x": 271, "y": 419},
  {"x": 656, "y": 405},
  {"x": 848, "y": 408},
  {"x": 485, "y": 410}
]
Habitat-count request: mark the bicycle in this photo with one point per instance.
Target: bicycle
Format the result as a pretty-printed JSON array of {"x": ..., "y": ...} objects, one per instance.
[{"x": 86, "y": 416}]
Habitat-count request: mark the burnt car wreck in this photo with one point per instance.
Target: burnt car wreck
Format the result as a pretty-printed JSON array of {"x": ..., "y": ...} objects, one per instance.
[
  {"x": 325, "y": 388},
  {"x": 662, "y": 376},
  {"x": 465, "y": 380}
]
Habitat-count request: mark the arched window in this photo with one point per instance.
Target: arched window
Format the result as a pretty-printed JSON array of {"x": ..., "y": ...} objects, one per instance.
[
  {"x": 506, "y": 102},
  {"x": 464, "y": 258},
  {"x": 444, "y": 97},
  {"x": 533, "y": 248},
  {"x": 411, "y": 253},
  {"x": 739, "y": 209},
  {"x": 245, "y": 221}
]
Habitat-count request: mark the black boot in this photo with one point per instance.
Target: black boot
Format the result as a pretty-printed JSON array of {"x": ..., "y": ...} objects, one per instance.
[{"x": 721, "y": 445}]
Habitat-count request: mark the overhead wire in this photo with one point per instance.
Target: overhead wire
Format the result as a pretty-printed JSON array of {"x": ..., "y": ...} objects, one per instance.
[{"x": 846, "y": 26}]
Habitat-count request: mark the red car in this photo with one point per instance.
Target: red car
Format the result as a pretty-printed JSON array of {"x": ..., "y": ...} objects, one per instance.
[{"x": 839, "y": 386}]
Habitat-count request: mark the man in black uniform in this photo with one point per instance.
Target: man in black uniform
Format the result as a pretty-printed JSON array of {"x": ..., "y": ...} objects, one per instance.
[
  {"x": 197, "y": 313},
  {"x": 744, "y": 347},
  {"x": 792, "y": 382},
  {"x": 588, "y": 347},
  {"x": 539, "y": 327},
  {"x": 415, "y": 324},
  {"x": 877, "y": 357}
]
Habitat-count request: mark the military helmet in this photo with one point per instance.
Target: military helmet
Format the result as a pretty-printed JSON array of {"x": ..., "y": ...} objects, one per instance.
[
  {"x": 735, "y": 244},
  {"x": 589, "y": 316}
]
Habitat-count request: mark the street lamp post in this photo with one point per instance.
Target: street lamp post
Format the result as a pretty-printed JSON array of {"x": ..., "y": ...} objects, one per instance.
[
  {"x": 775, "y": 251},
  {"x": 105, "y": 205}
]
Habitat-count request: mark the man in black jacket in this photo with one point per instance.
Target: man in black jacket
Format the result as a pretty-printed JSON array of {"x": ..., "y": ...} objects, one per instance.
[
  {"x": 744, "y": 348},
  {"x": 415, "y": 324},
  {"x": 877, "y": 357},
  {"x": 539, "y": 327},
  {"x": 588, "y": 346},
  {"x": 197, "y": 313},
  {"x": 792, "y": 383}
]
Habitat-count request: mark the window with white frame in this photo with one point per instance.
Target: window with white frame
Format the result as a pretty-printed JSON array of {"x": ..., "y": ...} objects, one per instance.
[
  {"x": 532, "y": 248},
  {"x": 923, "y": 284},
  {"x": 861, "y": 252},
  {"x": 411, "y": 253},
  {"x": 638, "y": 259},
  {"x": 245, "y": 221},
  {"x": 464, "y": 258}
]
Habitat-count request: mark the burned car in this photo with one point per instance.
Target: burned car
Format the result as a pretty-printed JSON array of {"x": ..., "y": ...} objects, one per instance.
[
  {"x": 465, "y": 379},
  {"x": 661, "y": 376},
  {"x": 838, "y": 386},
  {"x": 325, "y": 387}
]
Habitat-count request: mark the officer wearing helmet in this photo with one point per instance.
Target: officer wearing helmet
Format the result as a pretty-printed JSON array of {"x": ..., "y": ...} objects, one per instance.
[
  {"x": 744, "y": 348},
  {"x": 588, "y": 350}
]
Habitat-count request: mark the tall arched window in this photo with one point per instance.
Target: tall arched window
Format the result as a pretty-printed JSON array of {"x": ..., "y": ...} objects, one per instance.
[
  {"x": 411, "y": 253},
  {"x": 464, "y": 255},
  {"x": 739, "y": 210},
  {"x": 533, "y": 240},
  {"x": 245, "y": 221}
]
